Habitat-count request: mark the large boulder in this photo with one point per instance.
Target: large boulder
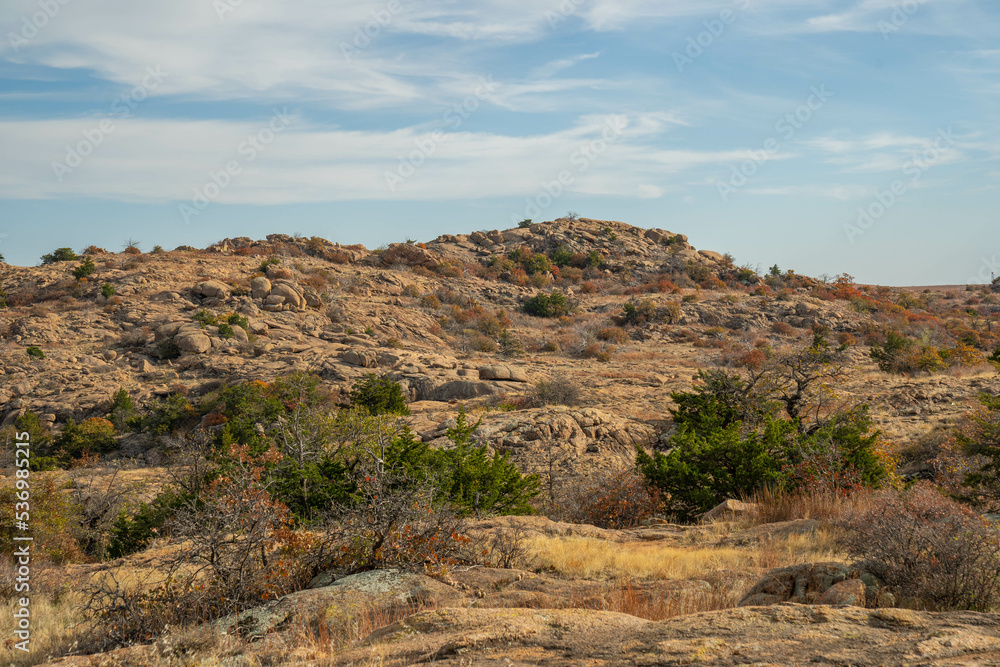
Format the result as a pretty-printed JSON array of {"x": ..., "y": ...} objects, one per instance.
[
  {"x": 728, "y": 510},
  {"x": 712, "y": 255},
  {"x": 849, "y": 591},
  {"x": 361, "y": 358},
  {"x": 342, "y": 603},
  {"x": 212, "y": 289},
  {"x": 460, "y": 390},
  {"x": 260, "y": 287},
  {"x": 292, "y": 295},
  {"x": 194, "y": 342},
  {"x": 503, "y": 373},
  {"x": 804, "y": 309},
  {"x": 408, "y": 254},
  {"x": 804, "y": 583}
]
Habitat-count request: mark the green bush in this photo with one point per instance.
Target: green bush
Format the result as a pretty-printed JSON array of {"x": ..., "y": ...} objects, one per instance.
[
  {"x": 467, "y": 475},
  {"x": 238, "y": 320},
  {"x": 524, "y": 224},
  {"x": 226, "y": 331},
  {"x": 537, "y": 263},
  {"x": 35, "y": 352},
  {"x": 979, "y": 438},
  {"x": 38, "y": 435},
  {"x": 705, "y": 467},
  {"x": 889, "y": 355},
  {"x": 732, "y": 439},
  {"x": 133, "y": 533},
  {"x": 547, "y": 305},
  {"x": 995, "y": 357},
  {"x": 697, "y": 271},
  {"x": 639, "y": 312},
  {"x": 205, "y": 318},
  {"x": 379, "y": 395},
  {"x": 85, "y": 269},
  {"x": 59, "y": 255},
  {"x": 562, "y": 256},
  {"x": 107, "y": 290},
  {"x": 94, "y": 436},
  {"x": 167, "y": 349},
  {"x": 168, "y": 414},
  {"x": 124, "y": 414}
]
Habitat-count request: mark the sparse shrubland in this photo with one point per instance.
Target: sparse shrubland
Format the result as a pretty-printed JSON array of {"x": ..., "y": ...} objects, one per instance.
[{"x": 172, "y": 484}]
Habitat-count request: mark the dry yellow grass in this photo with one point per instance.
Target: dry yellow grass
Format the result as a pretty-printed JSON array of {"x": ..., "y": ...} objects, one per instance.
[
  {"x": 589, "y": 558},
  {"x": 55, "y": 628}
]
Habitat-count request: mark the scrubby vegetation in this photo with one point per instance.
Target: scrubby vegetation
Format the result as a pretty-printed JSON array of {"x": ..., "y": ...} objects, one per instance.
[
  {"x": 556, "y": 427},
  {"x": 771, "y": 429},
  {"x": 275, "y": 484}
]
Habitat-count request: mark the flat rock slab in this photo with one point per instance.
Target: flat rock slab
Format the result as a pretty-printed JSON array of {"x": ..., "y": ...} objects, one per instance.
[{"x": 786, "y": 634}]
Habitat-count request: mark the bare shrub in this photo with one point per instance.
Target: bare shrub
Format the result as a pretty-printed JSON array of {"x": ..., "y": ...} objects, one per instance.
[
  {"x": 507, "y": 548},
  {"x": 616, "y": 498},
  {"x": 235, "y": 549},
  {"x": 399, "y": 524},
  {"x": 560, "y": 391},
  {"x": 135, "y": 338},
  {"x": 599, "y": 351},
  {"x": 612, "y": 335},
  {"x": 931, "y": 551}
]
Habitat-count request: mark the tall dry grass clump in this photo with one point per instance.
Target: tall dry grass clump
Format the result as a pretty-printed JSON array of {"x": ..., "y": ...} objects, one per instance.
[
  {"x": 826, "y": 505},
  {"x": 591, "y": 558}
]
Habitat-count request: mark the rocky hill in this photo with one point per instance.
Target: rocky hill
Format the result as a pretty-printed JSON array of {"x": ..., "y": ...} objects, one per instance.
[
  {"x": 566, "y": 339},
  {"x": 444, "y": 318}
]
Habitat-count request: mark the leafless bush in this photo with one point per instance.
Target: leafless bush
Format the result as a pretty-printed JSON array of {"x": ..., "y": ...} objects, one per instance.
[
  {"x": 137, "y": 337},
  {"x": 124, "y": 609},
  {"x": 560, "y": 391},
  {"x": 399, "y": 524},
  {"x": 507, "y": 548},
  {"x": 99, "y": 500},
  {"x": 235, "y": 549},
  {"x": 616, "y": 498},
  {"x": 932, "y": 551}
]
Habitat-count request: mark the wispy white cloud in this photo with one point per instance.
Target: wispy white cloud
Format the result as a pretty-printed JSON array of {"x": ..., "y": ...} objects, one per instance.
[
  {"x": 886, "y": 152},
  {"x": 555, "y": 66},
  {"x": 839, "y": 191},
  {"x": 163, "y": 160}
]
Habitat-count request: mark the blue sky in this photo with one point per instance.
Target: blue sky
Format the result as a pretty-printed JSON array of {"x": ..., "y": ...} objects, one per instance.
[{"x": 826, "y": 136}]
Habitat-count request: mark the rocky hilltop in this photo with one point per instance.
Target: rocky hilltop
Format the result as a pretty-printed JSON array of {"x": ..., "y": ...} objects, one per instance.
[{"x": 444, "y": 318}]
